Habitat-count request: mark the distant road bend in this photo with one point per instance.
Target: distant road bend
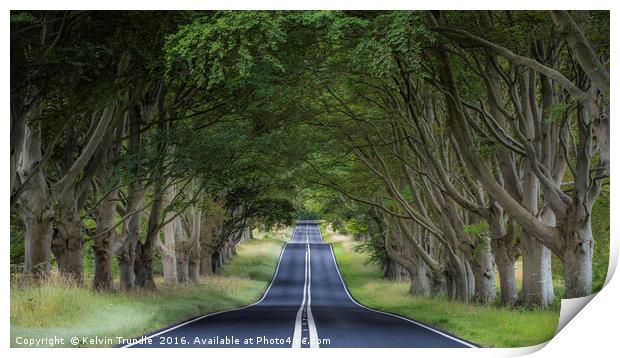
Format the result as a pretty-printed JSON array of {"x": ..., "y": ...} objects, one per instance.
[{"x": 306, "y": 305}]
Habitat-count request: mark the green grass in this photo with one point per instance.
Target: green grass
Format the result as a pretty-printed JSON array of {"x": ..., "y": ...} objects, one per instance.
[
  {"x": 488, "y": 326},
  {"x": 600, "y": 231},
  {"x": 59, "y": 309}
]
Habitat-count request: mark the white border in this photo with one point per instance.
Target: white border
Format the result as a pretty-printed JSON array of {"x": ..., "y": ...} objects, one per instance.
[{"x": 594, "y": 329}]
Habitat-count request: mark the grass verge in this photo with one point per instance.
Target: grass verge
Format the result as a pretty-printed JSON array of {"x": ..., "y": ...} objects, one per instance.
[
  {"x": 488, "y": 326},
  {"x": 58, "y": 309}
]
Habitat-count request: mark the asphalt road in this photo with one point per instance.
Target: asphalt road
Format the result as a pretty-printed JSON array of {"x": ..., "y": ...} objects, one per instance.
[{"x": 307, "y": 305}]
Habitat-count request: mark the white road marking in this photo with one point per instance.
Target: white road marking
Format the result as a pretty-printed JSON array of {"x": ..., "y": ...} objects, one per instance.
[
  {"x": 307, "y": 304},
  {"x": 275, "y": 274},
  {"x": 391, "y": 314},
  {"x": 297, "y": 331},
  {"x": 314, "y": 343}
]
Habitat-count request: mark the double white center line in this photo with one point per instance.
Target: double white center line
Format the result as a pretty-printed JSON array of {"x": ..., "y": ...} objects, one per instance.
[{"x": 305, "y": 334}]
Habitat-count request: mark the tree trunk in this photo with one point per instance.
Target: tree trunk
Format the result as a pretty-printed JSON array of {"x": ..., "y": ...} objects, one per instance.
[
  {"x": 181, "y": 252},
  {"x": 438, "y": 285},
  {"x": 182, "y": 266},
  {"x": 450, "y": 278},
  {"x": 206, "y": 264},
  {"x": 420, "y": 283},
  {"x": 195, "y": 247},
  {"x": 458, "y": 281},
  {"x": 103, "y": 264},
  {"x": 135, "y": 193},
  {"x": 484, "y": 272},
  {"x": 37, "y": 241},
  {"x": 194, "y": 260},
  {"x": 577, "y": 259},
  {"x": 168, "y": 251},
  {"x": 389, "y": 269},
  {"x": 247, "y": 234},
  {"x": 400, "y": 273},
  {"x": 18, "y": 122},
  {"x": 505, "y": 261},
  {"x": 396, "y": 272},
  {"x": 220, "y": 260},
  {"x": 102, "y": 247},
  {"x": 67, "y": 241},
  {"x": 143, "y": 266},
  {"x": 208, "y": 233},
  {"x": 537, "y": 277},
  {"x": 35, "y": 205},
  {"x": 169, "y": 263},
  {"x": 227, "y": 253},
  {"x": 103, "y": 239},
  {"x": 127, "y": 253},
  {"x": 194, "y": 267},
  {"x": 215, "y": 257},
  {"x": 470, "y": 280}
]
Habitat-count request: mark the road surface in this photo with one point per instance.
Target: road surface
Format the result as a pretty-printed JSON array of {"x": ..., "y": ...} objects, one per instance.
[{"x": 307, "y": 305}]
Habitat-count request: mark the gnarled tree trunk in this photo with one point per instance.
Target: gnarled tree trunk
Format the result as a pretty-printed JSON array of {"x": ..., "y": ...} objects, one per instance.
[
  {"x": 182, "y": 266},
  {"x": 206, "y": 264},
  {"x": 35, "y": 206},
  {"x": 484, "y": 272},
  {"x": 537, "y": 279},
  {"x": 127, "y": 253},
  {"x": 103, "y": 240},
  {"x": 420, "y": 283},
  {"x": 505, "y": 260},
  {"x": 193, "y": 265},
  {"x": 168, "y": 250},
  {"x": 577, "y": 258},
  {"x": 396, "y": 272},
  {"x": 37, "y": 239},
  {"x": 68, "y": 241},
  {"x": 143, "y": 266}
]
